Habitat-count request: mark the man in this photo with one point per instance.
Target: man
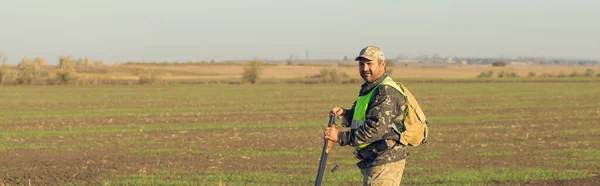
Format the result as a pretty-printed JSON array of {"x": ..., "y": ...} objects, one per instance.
[{"x": 379, "y": 106}]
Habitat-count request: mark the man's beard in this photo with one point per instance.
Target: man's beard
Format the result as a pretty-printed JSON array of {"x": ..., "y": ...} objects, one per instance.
[{"x": 367, "y": 76}]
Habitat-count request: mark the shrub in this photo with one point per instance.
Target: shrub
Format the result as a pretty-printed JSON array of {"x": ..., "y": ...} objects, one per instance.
[
  {"x": 98, "y": 63},
  {"x": 504, "y": 74},
  {"x": 87, "y": 63},
  {"x": 589, "y": 73},
  {"x": 67, "y": 70},
  {"x": 331, "y": 75},
  {"x": 149, "y": 77},
  {"x": 29, "y": 73},
  {"x": 5, "y": 73},
  {"x": 576, "y": 74},
  {"x": 487, "y": 74},
  {"x": 531, "y": 74},
  {"x": 252, "y": 72},
  {"x": 499, "y": 63},
  {"x": 6, "y": 76},
  {"x": 39, "y": 62}
]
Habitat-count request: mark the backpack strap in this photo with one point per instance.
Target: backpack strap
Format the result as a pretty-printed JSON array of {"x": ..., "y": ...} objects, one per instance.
[{"x": 400, "y": 88}]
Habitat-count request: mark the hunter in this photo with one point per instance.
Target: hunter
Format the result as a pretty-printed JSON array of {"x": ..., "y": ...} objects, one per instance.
[{"x": 379, "y": 106}]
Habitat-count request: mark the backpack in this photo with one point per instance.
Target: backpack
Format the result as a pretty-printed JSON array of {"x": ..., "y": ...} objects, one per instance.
[{"x": 415, "y": 129}]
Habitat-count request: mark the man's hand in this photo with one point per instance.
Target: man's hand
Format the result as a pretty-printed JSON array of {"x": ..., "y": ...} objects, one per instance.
[
  {"x": 331, "y": 134},
  {"x": 336, "y": 111}
]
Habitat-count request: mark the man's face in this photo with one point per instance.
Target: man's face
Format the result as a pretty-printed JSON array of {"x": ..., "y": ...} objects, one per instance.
[{"x": 370, "y": 70}]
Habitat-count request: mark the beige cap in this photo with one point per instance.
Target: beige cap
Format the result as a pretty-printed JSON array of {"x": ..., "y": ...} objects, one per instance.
[{"x": 371, "y": 53}]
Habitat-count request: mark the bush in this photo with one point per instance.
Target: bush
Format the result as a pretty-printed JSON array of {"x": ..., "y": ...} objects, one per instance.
[
  {"x": 531, "y": 74},
  {"x": 487, "y": 74},
  {"x": 507, "y": 75},
  {"x": 98, "y": 63},
  {"x": 39, "y": 62},
  {"x": 331, "y": 75},
  {"x": 252, "y": 72},
  {"x": 499, "y": 63},
  {"x": 149, "y": 77},
  {"x": 576, "y": 74},
  {"x": 29, "y": 73},
  {"x": 589, "y": 73},
  {"x": 6, "y": 76},
  {"x": 67, "y": 70}
]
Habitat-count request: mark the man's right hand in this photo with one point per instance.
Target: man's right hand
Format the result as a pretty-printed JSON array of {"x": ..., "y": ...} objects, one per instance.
[{"x": 336, "y": 111}]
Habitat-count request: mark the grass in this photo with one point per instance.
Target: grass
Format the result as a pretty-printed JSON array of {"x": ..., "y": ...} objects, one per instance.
[
  {"x": 263, "y": 154},
  {"x": 498, "y": 175},
  {"x": 155, "y": 151},
  {"x": 495, "y": 154},
  {"x": 271, "y": 134},
  {"x": 133, "y": 128},
  {"x": 453, "y": 177}
]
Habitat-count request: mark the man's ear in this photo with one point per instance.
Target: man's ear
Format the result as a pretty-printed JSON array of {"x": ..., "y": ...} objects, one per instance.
[{"x": 382, "y": 63}]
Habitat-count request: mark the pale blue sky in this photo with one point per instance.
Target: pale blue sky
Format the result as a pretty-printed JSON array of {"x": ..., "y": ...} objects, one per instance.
[{"x": 158, "y": 30}]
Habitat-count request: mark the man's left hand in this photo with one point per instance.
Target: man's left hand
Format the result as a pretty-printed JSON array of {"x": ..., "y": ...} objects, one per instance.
[{"x": 331, "y": 134}]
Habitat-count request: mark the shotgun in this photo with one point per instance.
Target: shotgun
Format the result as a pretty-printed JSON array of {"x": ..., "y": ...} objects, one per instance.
[{"x": 326, "y": 146}]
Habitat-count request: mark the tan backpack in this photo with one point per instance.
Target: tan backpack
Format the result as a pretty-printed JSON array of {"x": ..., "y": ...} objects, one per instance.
[{"x": 415, "y": 129}]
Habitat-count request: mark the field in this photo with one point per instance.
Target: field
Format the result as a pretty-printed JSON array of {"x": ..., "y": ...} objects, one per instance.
[
  {"x": 281, "y": 71},
  {"x": 530, "y": 132}
]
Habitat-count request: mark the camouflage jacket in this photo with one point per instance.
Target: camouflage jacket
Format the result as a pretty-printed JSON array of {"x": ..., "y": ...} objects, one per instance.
[{"x": 385, "y": 108}]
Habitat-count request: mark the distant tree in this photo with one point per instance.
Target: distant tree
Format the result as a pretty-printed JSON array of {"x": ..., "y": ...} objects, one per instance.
[
  {"x": 331, "y": 75},
  {"x": 27, "y": 72},
  {"x": 3, "y": 57},
  {"x": 98, "y": 63},
  {"x": 4, "y": 71},
  {"x": 4, "y": 74},
  {"x": 80, "y": 62},
  {"x": 67, "y": 70},
  {"x": 500, "y": 63},
  {"x": 252, "y": 72},
  {"x": 531, "y": 74},
  {"x": 487, "y": 74},
  {"x": 40, "y": 62},
  {"x": 87, "y": 63},
  {"x": 576, "y": 74},
  {"x": 149, "y": 77},
  {"x": 589, "y": 73}
]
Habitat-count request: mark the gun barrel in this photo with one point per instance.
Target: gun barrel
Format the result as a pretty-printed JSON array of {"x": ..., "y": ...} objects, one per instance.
[{"x": 324, "y": 154}]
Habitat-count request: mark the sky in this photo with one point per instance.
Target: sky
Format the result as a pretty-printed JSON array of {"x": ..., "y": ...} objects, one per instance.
[{"x": 202, "y": 30}]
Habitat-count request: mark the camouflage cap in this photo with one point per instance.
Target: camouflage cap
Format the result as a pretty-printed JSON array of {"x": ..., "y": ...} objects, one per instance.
[{"x": 371, "y": 53}]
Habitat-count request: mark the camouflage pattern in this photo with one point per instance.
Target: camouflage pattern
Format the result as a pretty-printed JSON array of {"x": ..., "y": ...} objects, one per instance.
[
  {"x": 371, "y": 53},
  {"x": 386, "y": 174},
  {"x": 385, "y": 109}
]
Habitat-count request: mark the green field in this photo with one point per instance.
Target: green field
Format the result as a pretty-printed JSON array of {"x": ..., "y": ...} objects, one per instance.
[{"x": 271, "y": 134}]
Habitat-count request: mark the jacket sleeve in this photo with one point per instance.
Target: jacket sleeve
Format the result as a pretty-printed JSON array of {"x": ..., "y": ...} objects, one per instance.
[{"x": 384, "y": 107}]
